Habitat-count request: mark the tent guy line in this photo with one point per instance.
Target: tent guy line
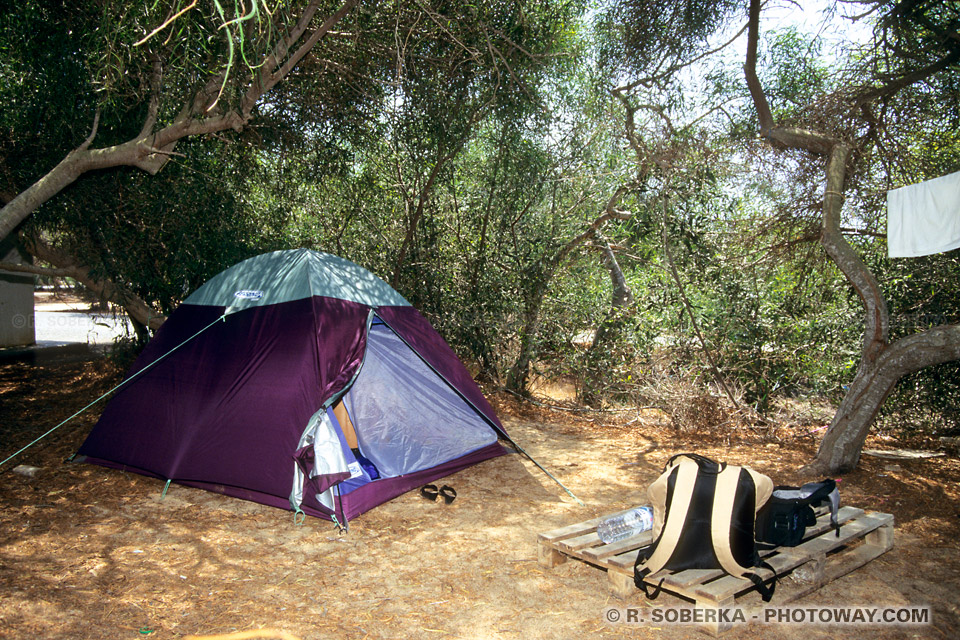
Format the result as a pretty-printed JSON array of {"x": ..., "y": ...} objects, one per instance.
[{"x": 110, "y": 391}]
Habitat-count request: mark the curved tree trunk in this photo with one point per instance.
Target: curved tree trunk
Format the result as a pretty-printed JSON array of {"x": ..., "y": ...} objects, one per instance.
[
  {"x": 882, "y": 364},
  {"x": 840, "y": 448},
  {"x": 138, "y": 310}
]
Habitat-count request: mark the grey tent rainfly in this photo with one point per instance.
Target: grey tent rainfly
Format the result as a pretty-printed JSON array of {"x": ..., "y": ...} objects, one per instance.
[{"x": 297, "y": 379}]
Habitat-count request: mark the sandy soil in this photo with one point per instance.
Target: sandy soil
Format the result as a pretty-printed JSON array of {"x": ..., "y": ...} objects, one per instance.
[{"x": 87, "y": 552}]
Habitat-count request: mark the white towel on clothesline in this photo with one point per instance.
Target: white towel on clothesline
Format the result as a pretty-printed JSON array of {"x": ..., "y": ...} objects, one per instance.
[{"x": 924, "y": 218}]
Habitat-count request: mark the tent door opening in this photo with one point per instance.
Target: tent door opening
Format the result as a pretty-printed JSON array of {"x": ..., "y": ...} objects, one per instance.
[{"x": 401, "y": 416}]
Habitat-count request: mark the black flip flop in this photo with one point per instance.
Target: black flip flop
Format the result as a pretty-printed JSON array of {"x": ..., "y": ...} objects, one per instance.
[
  {"x": 430, "y": 492},
  {"x": 449, "y": 493}
]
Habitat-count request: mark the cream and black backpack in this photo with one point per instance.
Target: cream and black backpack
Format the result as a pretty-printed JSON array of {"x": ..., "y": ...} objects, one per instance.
[{"x": 704, "y": 516}]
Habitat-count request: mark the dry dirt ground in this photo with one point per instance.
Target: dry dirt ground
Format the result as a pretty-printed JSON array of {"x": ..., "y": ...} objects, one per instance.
[{"x": 88, "y": 552}]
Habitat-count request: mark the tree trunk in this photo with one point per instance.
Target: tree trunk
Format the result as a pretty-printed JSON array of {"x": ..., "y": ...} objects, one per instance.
[
  {"x": 621, "y": 299},
  {"x": 520, "y": 371},
  {"x": 882, "y": 364},
  {"x": 136, "y": 308},
  {"x": 840, "y": 448},
  {"x": 519, "y": 375}
]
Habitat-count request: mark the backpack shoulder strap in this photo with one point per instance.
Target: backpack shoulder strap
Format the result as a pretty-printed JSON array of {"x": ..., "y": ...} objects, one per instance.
[
  {"x": 727, "y": 483},
  {"x": 676, "y": 516},
  {"x": 720, "y": 521}
]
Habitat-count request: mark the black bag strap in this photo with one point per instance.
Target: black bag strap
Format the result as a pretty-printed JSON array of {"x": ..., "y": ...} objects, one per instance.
[
  {"x": 639, "y": 574},
  {"x": 706, "y": 464},
  {"x": 766, "y": 593},
  {"x": 827, "y": 486}
]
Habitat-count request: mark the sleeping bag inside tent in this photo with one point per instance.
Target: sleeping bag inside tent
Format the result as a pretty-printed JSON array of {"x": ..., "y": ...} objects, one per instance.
[{"x": 299, "y": 380}]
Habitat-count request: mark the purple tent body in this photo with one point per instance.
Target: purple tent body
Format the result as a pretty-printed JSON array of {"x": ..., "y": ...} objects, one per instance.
[{"x": 240, "y": 391}]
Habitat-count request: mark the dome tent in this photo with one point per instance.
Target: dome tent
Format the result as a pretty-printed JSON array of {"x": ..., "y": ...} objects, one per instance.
[{"x": 299, "y": 380}]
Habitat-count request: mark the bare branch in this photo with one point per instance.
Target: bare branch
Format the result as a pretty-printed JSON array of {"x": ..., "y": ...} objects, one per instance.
[
  {"x": 165, "y": 24},
  {"x": 35, "y": 270},
  {"x": 89, "y": 139},
  {"x": 66, "y": 265},
  {"x": 610, "y": 212},
  {"x": 666, "y": 73},
  {"x": 264, "y": 83}
]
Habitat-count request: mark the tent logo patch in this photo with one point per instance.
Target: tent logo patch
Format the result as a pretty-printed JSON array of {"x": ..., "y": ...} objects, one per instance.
[{"x": 249, "y": 294}]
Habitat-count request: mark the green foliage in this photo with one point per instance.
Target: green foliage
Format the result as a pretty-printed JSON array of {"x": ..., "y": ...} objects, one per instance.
[
  {"x": 794, "y": 74},
  {"x": 456, "y": 149},
  {"x": 637, "y": 36}
]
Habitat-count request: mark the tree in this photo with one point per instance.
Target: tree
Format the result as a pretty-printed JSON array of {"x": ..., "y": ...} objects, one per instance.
[
  {"x": 917, "y": 40},
  {"x": 308, "y": 80},
  {"x": 201, "y": 112},
  {"x": 176, "y": 101}
]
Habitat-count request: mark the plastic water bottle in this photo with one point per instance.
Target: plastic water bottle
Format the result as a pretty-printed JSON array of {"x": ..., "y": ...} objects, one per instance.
[{"x": 626, "y": 524}]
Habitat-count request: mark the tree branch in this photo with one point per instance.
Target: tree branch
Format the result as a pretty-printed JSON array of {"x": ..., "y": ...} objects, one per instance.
[
  {"x": 268, "y": 78},
  {"x": 666, "y": 73},
  {"x": 610, "y": 212},
  {"x": 154, "y": 106},
  {"x": 150, "y": 151},
  {"x": 66, "y": 266},
  {"x": 764, "y": 115},
  {"x": 908, "y": 79},
  {"x": 35, "y": 270},
  {"x": 787, "y": 136}
]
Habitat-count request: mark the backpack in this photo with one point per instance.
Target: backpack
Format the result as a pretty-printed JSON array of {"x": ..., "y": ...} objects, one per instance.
[
  {"x": 785, "y": 518},
  {"x": 704, "y": 516}
]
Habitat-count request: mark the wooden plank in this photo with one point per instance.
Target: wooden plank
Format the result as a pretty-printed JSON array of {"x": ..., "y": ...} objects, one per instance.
[
  {"x": 684, "y": 579},
  {"x": 569, "y": 531},
  {"x": 578, "y": 529},
  {"x": 626, "y": 559},
  {"x": 844, "y": 514},
  {"x": 573, "y": 545},
  {"x": 548, "y": 557},
  {"x": 621, "y": 585},
  {"x": 836, "y": 567},
  {"x": 882, "y": 536},
  {"x": 851, "y": 531},
  {"x": 725, "y": 587},
  {"x": 597, "y": 555}
]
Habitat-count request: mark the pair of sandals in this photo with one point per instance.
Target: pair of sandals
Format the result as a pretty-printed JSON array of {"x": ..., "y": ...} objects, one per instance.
[{"x": 431, "y": 492}]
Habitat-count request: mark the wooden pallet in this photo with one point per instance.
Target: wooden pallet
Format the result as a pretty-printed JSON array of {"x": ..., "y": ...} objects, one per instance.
[{"x": 821, "y": 558}]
